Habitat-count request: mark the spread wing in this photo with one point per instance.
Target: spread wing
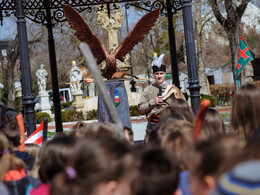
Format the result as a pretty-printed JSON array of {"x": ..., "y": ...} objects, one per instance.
[
  {"x": 143, "y": 26},
  {"x": 85, "y": 34}
]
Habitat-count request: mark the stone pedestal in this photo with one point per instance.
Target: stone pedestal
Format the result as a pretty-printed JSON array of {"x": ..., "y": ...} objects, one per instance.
[
  {"x": 131, "y": 100},
  {"x": 91, "y": 89},
  {"x": 44, "y": 102},
  {"x": 78, "y": 103}
]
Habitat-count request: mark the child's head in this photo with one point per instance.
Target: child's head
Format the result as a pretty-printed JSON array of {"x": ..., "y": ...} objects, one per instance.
[
  {"x": 178, "y": 125},
  {"x": 212, "y": 158},
  {"x": 181, "y": 145},
  {"x": 159, "y": 172},
  {"x": 98, "y": 166},
  {"x": 213, "y": 124},
  {"x": 182, "y": 106},
  {"x": 96, "y": 129},
  {"x": 54, "y": 156},
  {"x": 12, "y": 131},
  {"x": 32, "y": 149},
  {"x": 242, "y": 179},
  {"x": 245, "y": 111},
  {"x": 7, "y": 160}
]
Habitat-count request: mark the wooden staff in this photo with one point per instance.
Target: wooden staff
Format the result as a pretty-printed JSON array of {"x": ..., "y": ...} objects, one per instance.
[
  {"x": 19, "y": 119},
  {"x": 200, "y": 118}
]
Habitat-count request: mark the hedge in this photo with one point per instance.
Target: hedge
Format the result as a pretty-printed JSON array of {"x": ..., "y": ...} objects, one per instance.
[
  {"x": 92, "y": 114},
  {"x": 39, "y": 116},
  {"x": 134, "y": 111},
  {"x": 72, "y": 115},
  {"x": 212, "y": 99}
]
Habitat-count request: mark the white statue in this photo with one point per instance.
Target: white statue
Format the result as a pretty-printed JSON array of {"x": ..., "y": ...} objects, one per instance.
[
  {"x": 75, "y": 78},
  {"x": 42, "y": 80},
  {"x": 111, "y": 24}
]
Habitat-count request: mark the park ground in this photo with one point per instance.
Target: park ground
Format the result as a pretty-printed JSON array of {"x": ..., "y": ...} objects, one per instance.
[{"x": 138, "y": 124}]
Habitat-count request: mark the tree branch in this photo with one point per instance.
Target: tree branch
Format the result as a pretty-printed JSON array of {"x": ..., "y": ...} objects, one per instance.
[
  {"x": 215, "y": 8},
  {"x": 241, "y": 8}
]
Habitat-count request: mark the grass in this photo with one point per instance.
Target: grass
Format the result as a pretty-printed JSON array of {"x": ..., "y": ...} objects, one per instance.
[
  {"x": 226, "y": 117},
  {"x": 51, "y": 134}
]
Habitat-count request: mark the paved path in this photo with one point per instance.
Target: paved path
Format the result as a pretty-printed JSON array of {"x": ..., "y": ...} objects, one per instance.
[{"x": 138, "y": 125}]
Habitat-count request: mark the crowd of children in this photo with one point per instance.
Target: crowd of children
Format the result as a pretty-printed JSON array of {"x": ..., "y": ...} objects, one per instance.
[{"x": 92, "y": 160}]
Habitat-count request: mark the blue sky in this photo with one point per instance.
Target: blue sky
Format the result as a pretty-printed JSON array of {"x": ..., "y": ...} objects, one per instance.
[{"x": 8, "y": 30}]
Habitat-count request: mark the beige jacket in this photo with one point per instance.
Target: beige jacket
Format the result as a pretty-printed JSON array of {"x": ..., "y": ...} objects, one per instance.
[{"x": 147, "y": 104}]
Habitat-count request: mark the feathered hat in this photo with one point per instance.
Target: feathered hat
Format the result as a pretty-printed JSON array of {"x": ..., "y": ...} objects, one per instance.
[{"x": 159, "y": 66}]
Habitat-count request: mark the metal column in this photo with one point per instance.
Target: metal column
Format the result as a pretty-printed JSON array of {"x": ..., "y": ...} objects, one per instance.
[
  {"x": 27, "y": 98},
  {"x": 194, "y": 86},
  {"x": 53, "y": 65},
  {"x": 171, "y": 34}
]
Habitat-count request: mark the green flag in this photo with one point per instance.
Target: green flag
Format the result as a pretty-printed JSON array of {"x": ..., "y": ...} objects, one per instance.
[{"x": 245, "y": 56}]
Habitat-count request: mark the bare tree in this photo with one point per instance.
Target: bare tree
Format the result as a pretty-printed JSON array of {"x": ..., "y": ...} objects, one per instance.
[
  {"x": 200, "y": 22},
  {"x": 12, "y": 56},
  {"x": 231, "y": 23}
]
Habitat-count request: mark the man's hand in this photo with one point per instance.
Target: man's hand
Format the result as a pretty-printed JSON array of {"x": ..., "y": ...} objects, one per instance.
[{"x": 159, "y": 100}]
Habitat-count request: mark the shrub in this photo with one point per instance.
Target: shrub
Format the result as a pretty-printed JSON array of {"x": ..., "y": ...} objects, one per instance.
[
  {"x": 221, "y": 90},
  {"x": 66, "y": 104},
  {"x": 62, "y": 106},
  {"x": 212, "y": 99},
  {"x": 39, "y": 116},
  {"x": 134, "y": 111},
  {"x": 92, "y": 114},
  {"x": 72, "y": 115}
]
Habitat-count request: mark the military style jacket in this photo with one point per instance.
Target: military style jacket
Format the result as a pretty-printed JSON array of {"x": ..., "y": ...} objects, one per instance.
[{"x": 147, "y": 99}]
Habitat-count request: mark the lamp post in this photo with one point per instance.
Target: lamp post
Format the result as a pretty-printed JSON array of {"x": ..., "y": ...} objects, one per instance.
[
  {"x": 53, "y": 65},
  {"x": 194, "y": 86},
  {"x": 171, "y": 33},
  {"x": 27, "y": 98}
]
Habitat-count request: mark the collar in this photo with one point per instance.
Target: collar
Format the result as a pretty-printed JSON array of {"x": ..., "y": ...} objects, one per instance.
[
  {"x": 163, "y": 85},
  {"x": 14, "y": 175}
]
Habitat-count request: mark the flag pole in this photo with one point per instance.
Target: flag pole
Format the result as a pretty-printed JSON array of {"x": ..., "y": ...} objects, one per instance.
[{"x": 45, "y": 129}]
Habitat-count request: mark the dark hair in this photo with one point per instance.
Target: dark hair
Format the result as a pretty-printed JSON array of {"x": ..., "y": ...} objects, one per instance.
[
  {"x": 217, "y": 155},
  {"x": 251, "y": 151},
  {"x": 60, "y": 134},
  {"x": 159, "y": 172},
  {"x": 213, "y": 124},
  {"x": 54, "y": 157},
  {"x": 245, "y": 111},
  {"x": 172, "y": 117},
  {"x": 12, "y": 131},
  {"x": 96, "y": 160},
  {"x": 155, "y": 137},
  {"x": 182, "y": 107},
  {"x": 181, "y": 145}
]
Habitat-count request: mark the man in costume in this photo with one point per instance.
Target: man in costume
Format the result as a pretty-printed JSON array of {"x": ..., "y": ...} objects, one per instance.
[{"x": 157, "y": 96}]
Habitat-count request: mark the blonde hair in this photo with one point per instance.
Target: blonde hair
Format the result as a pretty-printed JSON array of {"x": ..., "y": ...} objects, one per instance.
[
  {"x": 7, "y": 160},
  {"x": 181, "y": 145},
  {"x": 34, "y": 150},
  {"x": 96, "y": 129}
]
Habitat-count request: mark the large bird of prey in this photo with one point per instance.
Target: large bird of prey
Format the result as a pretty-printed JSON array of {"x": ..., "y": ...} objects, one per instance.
[{"x": 100, "y": 52}]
